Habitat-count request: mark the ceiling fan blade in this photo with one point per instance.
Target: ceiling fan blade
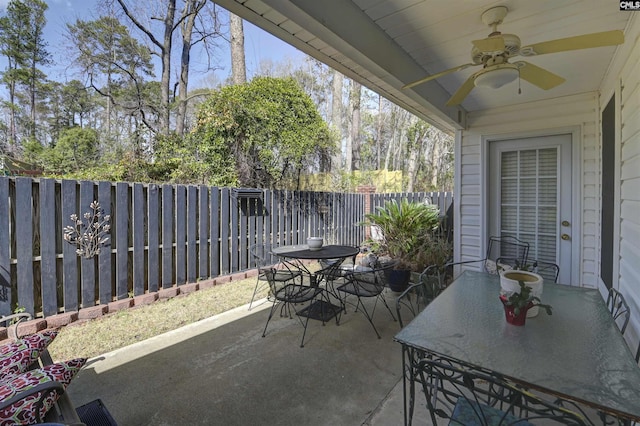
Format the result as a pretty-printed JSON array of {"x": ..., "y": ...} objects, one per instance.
[
  {"x": 490, "y": 44},
  {"x": 539, "y": 76},
  {"x": 437, "y": 75},
  {"x": 462, "y": 92},
  {"x": 586, "y": 41}
]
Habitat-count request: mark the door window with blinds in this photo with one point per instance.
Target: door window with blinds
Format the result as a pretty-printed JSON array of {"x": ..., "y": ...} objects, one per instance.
[{"x": 525, "y": 194}]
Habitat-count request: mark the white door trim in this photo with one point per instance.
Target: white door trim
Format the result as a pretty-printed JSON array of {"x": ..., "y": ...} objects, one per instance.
[{"x": 576, "y": 188}]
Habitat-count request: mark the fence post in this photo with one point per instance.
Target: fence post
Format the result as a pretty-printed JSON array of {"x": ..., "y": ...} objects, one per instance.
[{"x": 367, "y": 190}]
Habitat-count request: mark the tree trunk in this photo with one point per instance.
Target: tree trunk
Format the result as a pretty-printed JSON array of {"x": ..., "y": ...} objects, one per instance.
[
  {"x": 165, "y": 48},
  {"x": 356, "y": 92},
  {"x": 188, "y": 19},
  {"x": 336, "y": 118},
  {"x": 238, "y": 66}
]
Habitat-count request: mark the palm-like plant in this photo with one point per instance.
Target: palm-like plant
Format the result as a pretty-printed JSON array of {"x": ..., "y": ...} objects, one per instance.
[{"x": 409, "y": 233}]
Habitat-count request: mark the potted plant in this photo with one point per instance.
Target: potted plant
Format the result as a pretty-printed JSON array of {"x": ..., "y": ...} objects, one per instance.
[
  {"x": 510, "y": 280},
  {"x": 409, "y": 238},
  {"x": 517, "y": 303}
]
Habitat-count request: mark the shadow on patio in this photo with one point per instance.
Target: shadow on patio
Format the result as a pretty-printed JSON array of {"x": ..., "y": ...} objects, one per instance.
[{"x": 221, "y": 371}]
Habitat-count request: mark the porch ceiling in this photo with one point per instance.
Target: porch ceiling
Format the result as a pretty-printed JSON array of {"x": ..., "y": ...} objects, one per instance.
[{"x": 385, "y": 44}]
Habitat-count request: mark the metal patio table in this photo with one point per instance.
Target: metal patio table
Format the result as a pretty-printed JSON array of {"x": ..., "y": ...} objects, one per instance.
[
  {"x": 577, "y": 354},
  {"x": 296, "y": 255}
]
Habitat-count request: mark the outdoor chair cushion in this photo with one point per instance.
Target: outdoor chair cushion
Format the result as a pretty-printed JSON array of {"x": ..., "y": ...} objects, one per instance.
[
  {"x": 24, "y": 411},
  {"x": 17, "y": 356}
]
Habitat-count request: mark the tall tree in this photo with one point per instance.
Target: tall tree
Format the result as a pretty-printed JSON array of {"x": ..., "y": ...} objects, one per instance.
[
  {"x": 353, "y": 150},
  {"x": 238, "y": 65},
  {"x": 336, "y": 117},
  {"x": 23, "y": 44}
]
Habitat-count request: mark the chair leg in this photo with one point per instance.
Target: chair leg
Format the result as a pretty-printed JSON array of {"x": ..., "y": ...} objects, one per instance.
[{"x": 271, "y": 311}]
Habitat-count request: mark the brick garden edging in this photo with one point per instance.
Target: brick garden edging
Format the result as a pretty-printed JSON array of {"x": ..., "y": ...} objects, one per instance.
[{"x": 60, "y": 320}]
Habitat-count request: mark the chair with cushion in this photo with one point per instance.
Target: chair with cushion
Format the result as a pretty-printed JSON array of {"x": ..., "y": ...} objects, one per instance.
[
  {"x": 288, "y": 296},
  {"x": 618, "y": 308},
  {"x": 265, "y": 260},
  {"x": 365, "y": 284},
  {"x": 32, "y": 386},
  {"x": 463, "y": 396},
  {"x": 418, "y": 295}
]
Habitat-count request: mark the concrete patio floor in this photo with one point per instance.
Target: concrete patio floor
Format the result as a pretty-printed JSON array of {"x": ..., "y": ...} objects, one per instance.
[{"x": 221, "y": 371}]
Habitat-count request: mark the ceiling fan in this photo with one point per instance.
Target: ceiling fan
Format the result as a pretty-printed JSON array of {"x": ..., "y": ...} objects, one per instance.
[{"x": 494, "y": 52}]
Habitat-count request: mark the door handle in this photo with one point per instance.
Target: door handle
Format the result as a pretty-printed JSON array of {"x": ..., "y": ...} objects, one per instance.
[{"x": 565, "y": 237}]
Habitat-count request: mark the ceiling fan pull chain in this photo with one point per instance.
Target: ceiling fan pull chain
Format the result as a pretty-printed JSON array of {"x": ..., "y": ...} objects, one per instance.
[{"x": 519, "y": 91}]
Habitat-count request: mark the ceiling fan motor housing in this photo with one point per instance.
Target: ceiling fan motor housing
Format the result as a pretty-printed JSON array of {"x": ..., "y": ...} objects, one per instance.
[{"x": 511, "y": 48}]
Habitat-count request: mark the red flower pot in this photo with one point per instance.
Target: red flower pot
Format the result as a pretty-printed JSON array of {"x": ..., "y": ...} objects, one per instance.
[{"x": 511, "y": 316}]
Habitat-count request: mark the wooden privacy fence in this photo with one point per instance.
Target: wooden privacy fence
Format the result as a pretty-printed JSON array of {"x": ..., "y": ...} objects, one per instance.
[{"x": 161, "y": 236}]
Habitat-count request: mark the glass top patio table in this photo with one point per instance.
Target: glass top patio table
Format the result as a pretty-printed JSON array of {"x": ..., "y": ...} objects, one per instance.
[{"x": 577, "y": 353}]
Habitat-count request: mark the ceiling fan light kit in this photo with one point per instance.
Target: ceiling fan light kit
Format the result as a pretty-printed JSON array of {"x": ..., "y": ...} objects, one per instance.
[
  {"x": 495, "y": 78},
  {"x": 494, "y": 51}
]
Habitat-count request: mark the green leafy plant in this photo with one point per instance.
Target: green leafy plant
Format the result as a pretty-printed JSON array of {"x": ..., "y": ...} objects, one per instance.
[
  {"x": 410, "y": 234},
  {"x": 523, "y": 300}
]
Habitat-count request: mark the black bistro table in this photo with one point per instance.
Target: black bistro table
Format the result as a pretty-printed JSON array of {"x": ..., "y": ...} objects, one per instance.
[
  {"x": 295, "y": 256},
  {"x": 578, "y": 355}
]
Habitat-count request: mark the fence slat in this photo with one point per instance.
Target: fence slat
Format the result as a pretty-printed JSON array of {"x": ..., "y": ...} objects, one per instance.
[
  {"x": 214, "y": 229},
  {"x": 122, "y": 240},
  {"x": 181, "y": 234},
  {"x": 203, "y": 232},
  {"x": 167, "y": 236},
  {"x": 24, "y": 244},
  {"x": 48, "y": 281},
  {"x": 105, "y": 258},
  {"x": 225, "y": 264},
  {"x": 192, "y": 225},
  {"x": 87, "y": 265},
  {"x": 69, "y": 256},
  {"x": 137, "y": 223},
  {"x": 153, "y": 223}
]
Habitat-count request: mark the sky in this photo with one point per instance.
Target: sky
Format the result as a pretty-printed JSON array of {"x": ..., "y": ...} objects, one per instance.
[{"x": 259, "y": 45}]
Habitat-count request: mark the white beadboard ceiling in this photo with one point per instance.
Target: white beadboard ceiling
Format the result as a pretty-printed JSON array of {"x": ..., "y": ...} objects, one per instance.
[{"x": 385, "y": 44}]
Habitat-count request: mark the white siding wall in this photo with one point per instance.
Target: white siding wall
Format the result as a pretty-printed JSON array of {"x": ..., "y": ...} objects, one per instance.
[
  {"x": 559, "y": 115},
  {"x": 628, "y": 80}
]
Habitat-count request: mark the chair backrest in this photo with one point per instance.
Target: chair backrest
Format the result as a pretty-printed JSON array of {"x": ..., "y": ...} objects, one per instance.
[
  {"x": 507, "y": 247},
  {"x": 415, "y": 298},
  {"x": 262, "y": 255},
  {"x": 618, "y": 308},
  {"x": 373, "y": 280},
  {"x": 547, "y": 270},
  {"x": 467, "y": 396}
]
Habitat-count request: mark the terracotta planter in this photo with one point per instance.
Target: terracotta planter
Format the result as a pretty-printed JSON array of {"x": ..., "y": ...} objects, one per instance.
[
  {"x": 511, "y": 316},
  {"x": 509, "y": 283}
]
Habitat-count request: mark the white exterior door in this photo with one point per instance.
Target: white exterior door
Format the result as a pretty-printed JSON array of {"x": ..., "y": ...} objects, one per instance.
[{"x": 530, "y": 196}]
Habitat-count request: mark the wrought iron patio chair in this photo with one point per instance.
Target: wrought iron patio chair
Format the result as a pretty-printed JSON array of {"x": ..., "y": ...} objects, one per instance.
[
  {"x": 506, "y": 246},
  {"x": 363, "y": 284},
  {"x": 265, "y": 260},
  {"x": 418, "y": 295},
  {"x": 289, "y": 295},
  {"x": 464, "y": 396},
  {"x": 618, "y": 308}
]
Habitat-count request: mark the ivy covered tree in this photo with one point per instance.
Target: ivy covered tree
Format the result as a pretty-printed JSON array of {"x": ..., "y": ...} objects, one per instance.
[{"x": 261, "y": 134}]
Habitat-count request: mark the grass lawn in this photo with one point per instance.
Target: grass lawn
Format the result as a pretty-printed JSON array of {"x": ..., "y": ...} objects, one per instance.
[{"x": 98, "y": 336}]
